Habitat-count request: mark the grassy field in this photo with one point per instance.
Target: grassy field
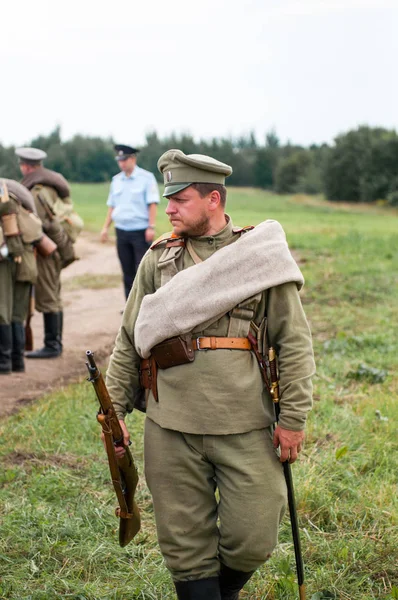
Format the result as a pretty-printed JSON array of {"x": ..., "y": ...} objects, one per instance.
[{"x": 56, "y": 503}]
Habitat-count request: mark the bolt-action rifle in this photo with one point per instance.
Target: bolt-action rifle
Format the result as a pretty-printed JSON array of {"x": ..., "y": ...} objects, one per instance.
[
  {"x": 272, "y": 383},
  {"x": 123, "y": 471}
]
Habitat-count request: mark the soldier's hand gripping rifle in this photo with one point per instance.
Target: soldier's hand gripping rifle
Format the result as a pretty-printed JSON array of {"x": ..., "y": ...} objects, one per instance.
[
  {"x": 272, "y": 384},
  {"x": 123, "y": 471},
  {"x": 274, "y": 391}
]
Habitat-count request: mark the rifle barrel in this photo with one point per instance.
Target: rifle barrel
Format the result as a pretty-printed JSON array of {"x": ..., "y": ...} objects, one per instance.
[{"x": 103, "y": 396}]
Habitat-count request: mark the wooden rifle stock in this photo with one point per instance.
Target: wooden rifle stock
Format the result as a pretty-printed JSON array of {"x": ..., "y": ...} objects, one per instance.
[
  {"x": 123, "y": 471},
  {"x": 274, "y": 391}
]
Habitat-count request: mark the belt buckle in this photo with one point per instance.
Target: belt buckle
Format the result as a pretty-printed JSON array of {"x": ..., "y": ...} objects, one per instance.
[{"x": 197, "y": 343}]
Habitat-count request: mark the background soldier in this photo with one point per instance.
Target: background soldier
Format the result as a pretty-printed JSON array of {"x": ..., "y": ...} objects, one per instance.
[
  {"x": 132, "y": 202},
  {"x": 51, "y": 194},
  {"x": 210, "y": 416},
  {"x": 19, "y": 229}
]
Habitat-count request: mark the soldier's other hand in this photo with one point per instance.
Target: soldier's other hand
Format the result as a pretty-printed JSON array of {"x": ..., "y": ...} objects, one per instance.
[
  {"x": 120, "y": 451},
  {"x": 289, "y": 442},
  {"x": 149, "y": 235},
  {"x": 104, "y": 236}
]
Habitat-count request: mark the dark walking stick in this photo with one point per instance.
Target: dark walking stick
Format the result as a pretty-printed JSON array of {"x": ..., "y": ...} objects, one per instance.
[{"x": 289, "y": 479}]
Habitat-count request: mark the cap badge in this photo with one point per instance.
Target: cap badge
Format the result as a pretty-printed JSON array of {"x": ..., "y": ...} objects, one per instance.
[
  {"x": 169, "y": 176},
  {"x": 120, "y": 153}
]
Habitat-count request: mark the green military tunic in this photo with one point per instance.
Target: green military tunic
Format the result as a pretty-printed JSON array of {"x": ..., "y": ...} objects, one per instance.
[
  {"x": 222, "y": 391},
  {"x": 48, "y": 286},
  {"x": 16, "y": 277}
]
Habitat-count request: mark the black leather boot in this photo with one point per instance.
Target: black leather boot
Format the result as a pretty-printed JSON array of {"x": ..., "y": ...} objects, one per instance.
[
  {"x": 18, "y": 347},
  {"x": 231, "y": 582},
  {"x": 52, "y": 337},
  {"x": 5, "y": 349},
  {"x": 61, "y": 325},
  {"x": 198, "y": 589}
]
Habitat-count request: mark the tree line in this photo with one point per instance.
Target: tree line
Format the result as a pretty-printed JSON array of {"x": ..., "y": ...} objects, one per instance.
[{"x": 360, "y": 165}]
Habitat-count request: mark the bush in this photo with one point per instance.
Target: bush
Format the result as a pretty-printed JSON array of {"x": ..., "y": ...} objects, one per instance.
[{"x": 392, "y": 198}]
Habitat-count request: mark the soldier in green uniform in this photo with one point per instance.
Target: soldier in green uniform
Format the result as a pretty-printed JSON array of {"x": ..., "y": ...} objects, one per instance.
[
  {"x": 210, "y": 418},
  {"x": 19, "y": 229},
  {"x": 51, "y": 194}
]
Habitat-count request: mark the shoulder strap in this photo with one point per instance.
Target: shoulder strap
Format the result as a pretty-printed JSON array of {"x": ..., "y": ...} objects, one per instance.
[
  {"x": 168, "y": 262},
  {"x": 241, "y": 316},
  {"x": 242, "y": 229},
  {"x": 195, "y": 257},
  {"x": 167, "y": 240}
]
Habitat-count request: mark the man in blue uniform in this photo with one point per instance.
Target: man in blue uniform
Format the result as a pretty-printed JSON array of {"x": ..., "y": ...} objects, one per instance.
[{"x": 132, "y": 205}]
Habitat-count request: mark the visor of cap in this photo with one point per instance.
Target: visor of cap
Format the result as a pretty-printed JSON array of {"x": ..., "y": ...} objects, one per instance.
[
  {"x": 170, "y": 190},
  {"x": 178, "y": 168}
]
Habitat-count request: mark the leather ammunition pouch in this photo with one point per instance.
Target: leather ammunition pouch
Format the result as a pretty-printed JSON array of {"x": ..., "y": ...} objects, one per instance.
[
  {"x": 45, "y": 246},
  {"x": 57, "y": 233},
  {"x": 170, "y": 353},
  {"x": 173, "y": 352},
  {"x": 10, "y": 224}
]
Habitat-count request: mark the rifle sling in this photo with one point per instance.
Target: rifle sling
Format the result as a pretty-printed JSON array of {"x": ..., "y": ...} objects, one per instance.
[{"x": 105, "y": 421}]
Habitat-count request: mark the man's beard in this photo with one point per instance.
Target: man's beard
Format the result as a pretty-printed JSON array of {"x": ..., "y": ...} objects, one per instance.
[{"x": 201, "y": 227}]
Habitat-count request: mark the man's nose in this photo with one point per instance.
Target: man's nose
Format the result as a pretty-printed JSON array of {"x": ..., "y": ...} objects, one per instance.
[{"x": 170, "y": 208}]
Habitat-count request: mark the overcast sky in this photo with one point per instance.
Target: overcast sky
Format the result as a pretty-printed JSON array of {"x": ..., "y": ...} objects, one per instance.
[{"x": 311, "y": 69}]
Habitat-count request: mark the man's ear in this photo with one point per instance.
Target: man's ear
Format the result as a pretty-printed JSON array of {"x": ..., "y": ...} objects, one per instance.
[{"x": 214, "y": 200}]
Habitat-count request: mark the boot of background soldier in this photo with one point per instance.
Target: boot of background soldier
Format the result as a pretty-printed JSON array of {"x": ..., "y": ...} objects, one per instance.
[
  {"x": 18, "y": 347},
  {"x": 198, "y": 589},
  {"x": 231, "y": 582},
  {"x": 61, "y": 326},
  {"x": 5, "y": 349},
  {"x": 52, "y": 337}
]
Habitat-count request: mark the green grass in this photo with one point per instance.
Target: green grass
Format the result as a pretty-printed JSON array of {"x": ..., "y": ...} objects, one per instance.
[
  {"x": 59, "y": 535},
  {"x": 90, "y": 203}
]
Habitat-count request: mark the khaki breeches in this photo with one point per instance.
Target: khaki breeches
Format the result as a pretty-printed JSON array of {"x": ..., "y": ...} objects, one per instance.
[
  {"x": 48, "y": 287},
  {"x": 14, "y": 295},
  {"x": 197, "y": 527}
]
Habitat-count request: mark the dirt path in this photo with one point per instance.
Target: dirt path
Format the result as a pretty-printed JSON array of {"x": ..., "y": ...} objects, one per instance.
[{"x": 91, "y": 321}]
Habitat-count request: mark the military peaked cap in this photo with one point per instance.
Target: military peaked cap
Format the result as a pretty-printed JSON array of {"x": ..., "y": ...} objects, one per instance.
[
  {"x": 32, "y": 156},
  {"x": 182, "y": 170},
  {"x": 123, "y": 152}
]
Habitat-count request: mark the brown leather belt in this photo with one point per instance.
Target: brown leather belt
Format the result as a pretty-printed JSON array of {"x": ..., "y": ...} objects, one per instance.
[{"x": 221, "y": 343}]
